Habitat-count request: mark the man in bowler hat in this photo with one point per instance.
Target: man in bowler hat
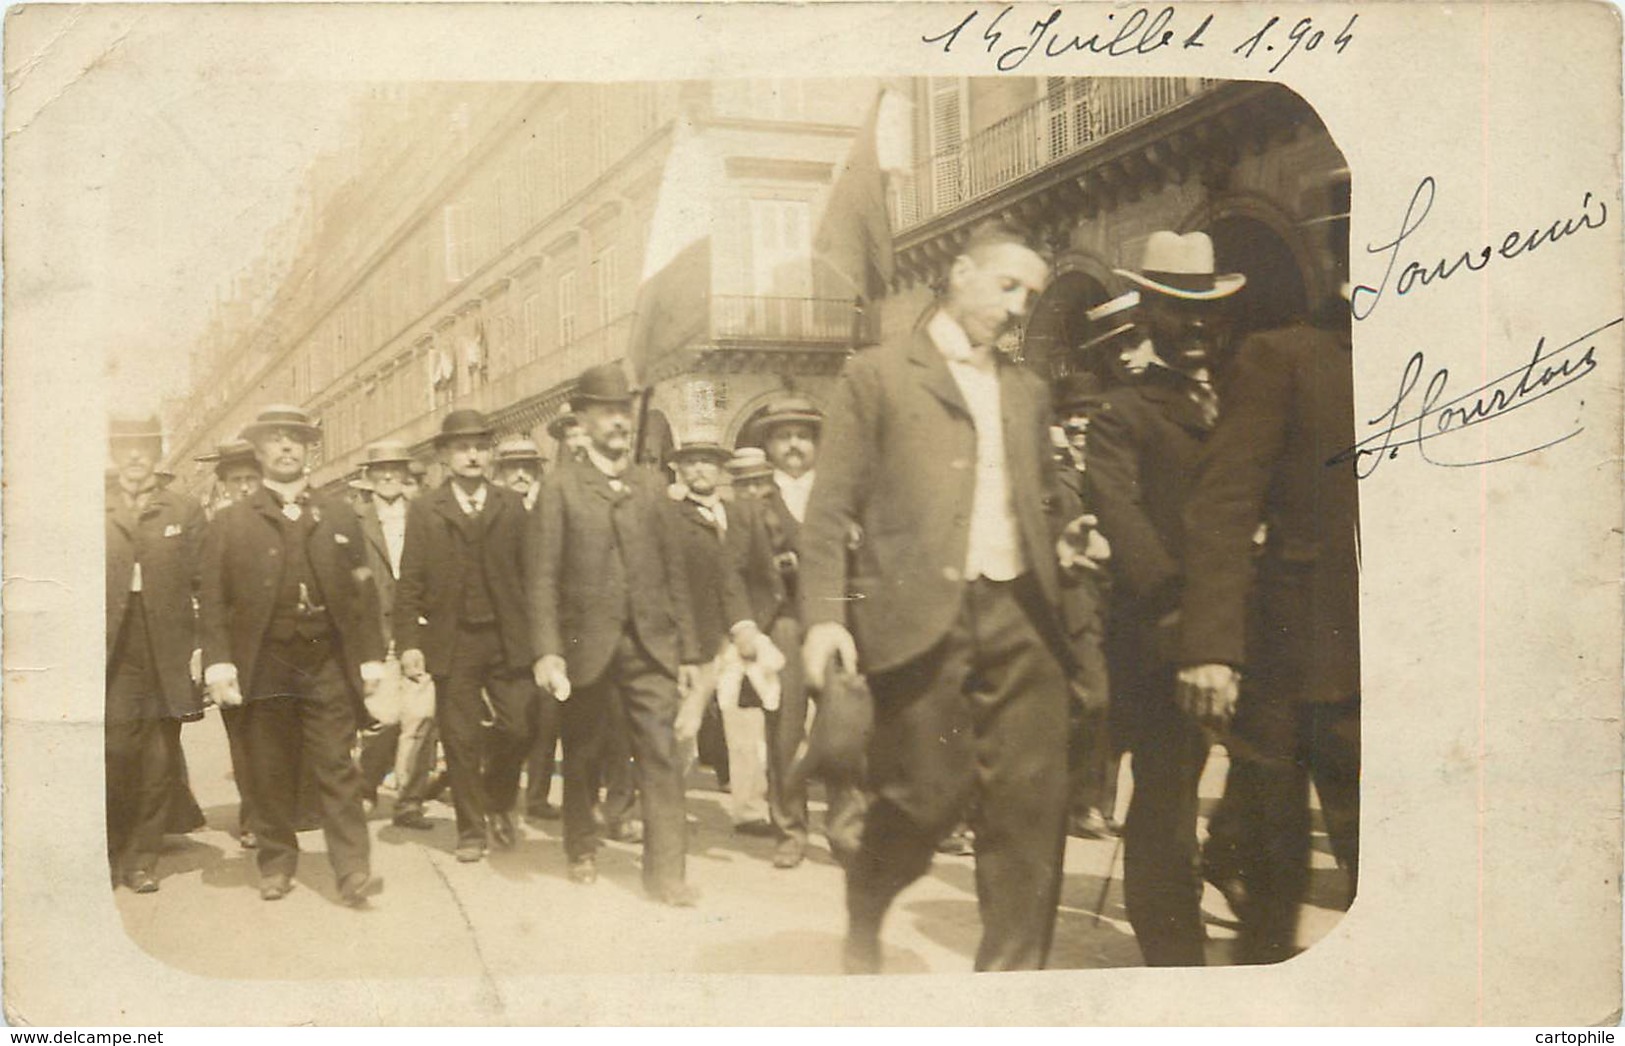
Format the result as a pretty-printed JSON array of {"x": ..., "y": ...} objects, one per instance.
[
  {"x": 931, "y": 535},
  {"x": 1144, "y": 441},
  {"x": 460, "y": 616},
  {"x": 152, "y": 561},
  {"x": 610, "y": 615},
  {"x": 290, "y": 631}
]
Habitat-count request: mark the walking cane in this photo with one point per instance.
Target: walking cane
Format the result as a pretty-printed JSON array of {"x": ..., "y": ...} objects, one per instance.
[{"x": 1105, "y": 887}]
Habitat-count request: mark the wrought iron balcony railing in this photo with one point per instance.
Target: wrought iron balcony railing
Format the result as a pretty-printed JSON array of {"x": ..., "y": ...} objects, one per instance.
[
  {"x": 836, "y": 322},
  {"x": 1031, "y": 139}
]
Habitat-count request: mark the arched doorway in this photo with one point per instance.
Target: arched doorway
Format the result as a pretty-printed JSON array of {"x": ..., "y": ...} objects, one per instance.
[
  {"x": 1058, "y": 325},
  {"x": 1277, "y": 292}
]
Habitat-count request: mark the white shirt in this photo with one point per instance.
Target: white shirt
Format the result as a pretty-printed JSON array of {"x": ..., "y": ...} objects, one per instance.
[
  {"x": 532, "y": 495},
  {"x": 471, "y": 504},
  {"x": 392, "y": 521},
  {"x": 614, "y": 468},
  {"x": 795, "y": 492},
  {"x": 994, "y": 548},
  {"x": 712, "y": 510}
]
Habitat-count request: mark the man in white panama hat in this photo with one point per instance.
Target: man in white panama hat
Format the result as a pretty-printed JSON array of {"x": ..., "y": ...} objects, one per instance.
[{"x": 1142, "y": 451}]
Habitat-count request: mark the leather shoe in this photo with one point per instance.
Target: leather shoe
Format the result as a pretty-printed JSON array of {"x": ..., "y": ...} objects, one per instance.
[
  {"x": 141, "y": 882},
  {"x": 248, "y": 840},
  {"x": 502, "y": 830},
  {"x": 756, "y": 828},
  {"x": 624, "y": 832},
  {"x": 959, "y": 844},
  {"x": 275, "y": 888},
  {"x": 412, "y": 818},
  {"x": 468, "y": 853},
  {"x": 355, "y": 888},
  {"x": 789, "y": 853},
  {"x": 677, "y": 895},
  {"x": 584, "y": 870},
  {"x": 543, "y": 812}
]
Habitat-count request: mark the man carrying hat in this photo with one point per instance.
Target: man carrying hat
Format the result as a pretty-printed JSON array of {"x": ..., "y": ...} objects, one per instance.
[
  {"x": 519, "y": 465},
  {"x": 460, "y": 616},
  {"x": 291, "y": 632},
  {"x": 610, "y": 616},
  {"x": 713, "y": 541},
  {"x": 1144, "y": 440},
  {"x": 407, "y": 745},
  {"x": 152, "y": 560},
  {"x": 931, "y": 534}
]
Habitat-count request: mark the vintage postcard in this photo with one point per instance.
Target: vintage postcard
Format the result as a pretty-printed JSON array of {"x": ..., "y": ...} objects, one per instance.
[{"x": 749, "y": 513}]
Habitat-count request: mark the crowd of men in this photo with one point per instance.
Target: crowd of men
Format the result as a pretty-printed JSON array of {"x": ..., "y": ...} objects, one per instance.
[{"x": 956, "y": 597}]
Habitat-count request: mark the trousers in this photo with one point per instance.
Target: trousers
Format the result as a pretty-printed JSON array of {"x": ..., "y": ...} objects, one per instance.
[
  {"x": 977, "y": 723},
  {"x": 483, "y": 765},
  {"x": 637, "y": 691}
]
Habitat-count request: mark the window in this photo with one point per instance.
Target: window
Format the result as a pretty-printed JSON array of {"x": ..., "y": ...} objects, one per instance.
[
  {"x": 567, "y": 308},
  {"x": 530, "y": 182},
  {"x": 457, "y": 244},
  {"x": 504, "y": 221},
  {"x": 604, "y": 280},
  {"x": 533, "y": 326},
  {"x": 559, "y": 145},
  {"x": 947, "y": 129}
]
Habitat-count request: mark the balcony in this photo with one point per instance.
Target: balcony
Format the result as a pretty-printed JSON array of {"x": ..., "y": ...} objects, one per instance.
[
  {"x": 749, "y": 319},
  {"x": 1031, "y": 139}
]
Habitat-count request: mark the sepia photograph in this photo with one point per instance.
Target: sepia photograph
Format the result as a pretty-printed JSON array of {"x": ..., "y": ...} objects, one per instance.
[{"x": 654, "y": 521}]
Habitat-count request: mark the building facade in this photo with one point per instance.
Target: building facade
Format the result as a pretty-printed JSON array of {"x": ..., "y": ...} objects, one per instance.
[{"x": 481, "y": 245}]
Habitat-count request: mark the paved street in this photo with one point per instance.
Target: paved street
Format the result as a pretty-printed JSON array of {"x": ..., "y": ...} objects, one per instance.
[{"x": 439, "y": 918}]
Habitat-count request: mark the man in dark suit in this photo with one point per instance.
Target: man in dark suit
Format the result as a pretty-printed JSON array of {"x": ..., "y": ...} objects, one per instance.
[
  {"x": 1143, "y": 443},
  {"x": 461, "y": 616},
  {"x": 152, "y": 565},
  {"x": 290, "y": 623},
  {"x": 407, "y": 744},
  {"x": 713, "y": 539},
  {"x": 936, "y": 465},
  {"x": 610, "y": 612},
  {"x": 519, "y": 466},
  {"x": 1289, "y": 615}
]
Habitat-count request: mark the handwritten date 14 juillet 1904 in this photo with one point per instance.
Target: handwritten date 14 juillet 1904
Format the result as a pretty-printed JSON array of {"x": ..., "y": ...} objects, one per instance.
[{"x": 1011, "y": 41}]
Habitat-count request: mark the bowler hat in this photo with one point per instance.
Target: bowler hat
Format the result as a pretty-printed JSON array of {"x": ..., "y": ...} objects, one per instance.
[
  {"x": 702, "y": 448},
  {"x": 463, "y": 424},
  {"x": 605, "y": 383},
  {"x": 231, "y": 454},
  {"x": 148, "y": 428},
  {"x": 556, "y": 427},
  {"x": 1077, "y": 390},
  {"x": 283, "y": 418},
  {"x": 791, "y": 409},
  {"x": 387, "y": 452},
  {"x": 1182, "y": 267},
  {"x": 517, "y": 449},
  {"x": 749, "y": 463},
  {"x": 1111, "y": 318}
]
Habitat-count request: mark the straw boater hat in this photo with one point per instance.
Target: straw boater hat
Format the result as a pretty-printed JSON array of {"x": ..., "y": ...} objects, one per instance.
[
  {"x": 463, "y": 424},
  {"x": 605, "y": 383},
  {"x": 291, "y": 419},
  {"x": 1109, "y": 319},
  {"x": 702, "y": 448},
  {"x": 798, "y": 409},
  {"x": 749, "y": 463},
  {"x": 518, "y": 449},
  {"x": 229, "y": 455},
  {"x": 387, "y": 452},
  {"x": 131, "y": 429},
  {"x": 1182, "y": 267}
]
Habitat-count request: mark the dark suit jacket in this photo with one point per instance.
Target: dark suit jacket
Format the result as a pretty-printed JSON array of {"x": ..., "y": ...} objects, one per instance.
[
  {"x": 574, "y": 533},
  {"x": 164, "y": 539},
  {"x": 242, "y": 572},
  {"x": 1083, "y": 593},
  {"x": 710, "y": 567},
  {"x": 897, "y": 461},
  {"x": 378, "y": 562},
  {"x": 1289, "y": 409},
  {"x": 757, "y": 532},
  {"x": 431, "y": 582}
]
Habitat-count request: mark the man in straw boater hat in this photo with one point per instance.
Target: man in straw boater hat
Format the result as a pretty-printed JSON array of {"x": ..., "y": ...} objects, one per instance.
[
  {"x": 152, "y": 563},
  {"x": 1117, "y": 347},
  {"x": 1290, "y": 412},
  {"x": 713, "y": 543},
  {"x": 1144, "y": 441},
  {"x": 405, "y": 743},
  {"x": 931, "y": 535},
  {"x": 610, "y": 616},
  {"x": 519, "y": 465},
  {"x": 460, "y": 616},
  {"x": 291, "y": 633}
]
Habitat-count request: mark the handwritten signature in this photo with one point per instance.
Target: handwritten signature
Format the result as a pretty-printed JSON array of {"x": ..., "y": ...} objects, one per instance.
[{"x": 1548, "y": 371}]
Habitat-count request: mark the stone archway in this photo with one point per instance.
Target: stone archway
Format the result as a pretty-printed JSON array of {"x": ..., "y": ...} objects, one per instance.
[
  {"x": 1253, "y": 235},
  {"x": 1058, "y": 325}
]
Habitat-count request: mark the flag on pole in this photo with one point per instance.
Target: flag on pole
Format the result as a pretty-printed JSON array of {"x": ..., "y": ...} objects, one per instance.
[
  {"x": 674, "y": 292},
  {"x": 854, "y": 241}
]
